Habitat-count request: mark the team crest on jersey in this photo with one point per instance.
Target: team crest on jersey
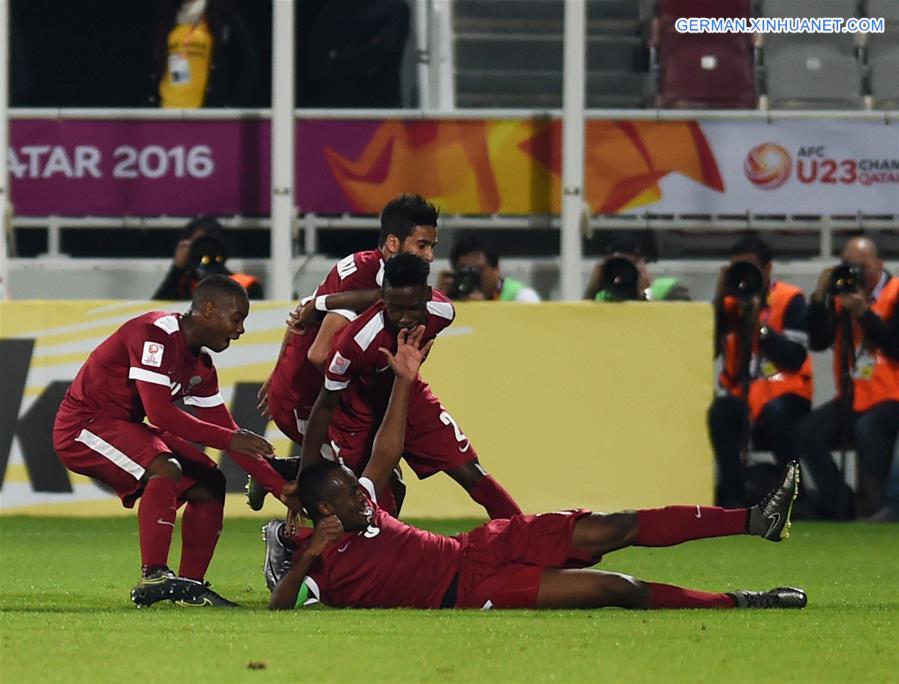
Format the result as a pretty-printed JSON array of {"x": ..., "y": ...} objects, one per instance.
[
  {"x": 371, "y": 532},
  {"x": 339, "y": 364},
  {"x": 152, "y": 355},
  {"x": 194, "y": 381}
]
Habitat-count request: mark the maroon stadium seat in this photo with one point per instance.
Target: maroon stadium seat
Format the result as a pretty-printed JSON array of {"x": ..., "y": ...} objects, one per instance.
[
  {"x": 670, "y": 9},
  {"x": 705, "y": 71}
]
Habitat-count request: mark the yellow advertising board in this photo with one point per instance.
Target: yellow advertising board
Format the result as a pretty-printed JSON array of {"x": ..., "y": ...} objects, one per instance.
[{"x": 568, "y": 404}]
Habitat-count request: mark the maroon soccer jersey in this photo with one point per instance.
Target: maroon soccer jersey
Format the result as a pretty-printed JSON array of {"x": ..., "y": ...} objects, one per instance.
[
  {"x": 296, "y": 381},
  {"x": 148, "y": 349},
  {"x": 387, "y": 565},
  {"x": 358, "y": 365}
]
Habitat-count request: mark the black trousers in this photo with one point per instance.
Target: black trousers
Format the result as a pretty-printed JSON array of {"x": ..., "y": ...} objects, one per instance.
[
  {"x": 774, "y": 429},
  {"x": 873, "y": 432}
]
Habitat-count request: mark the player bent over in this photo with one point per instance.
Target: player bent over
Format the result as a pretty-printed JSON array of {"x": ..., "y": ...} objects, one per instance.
[
  {"x": 147, "y": 364},
  {"x": 359, "y": 556}
]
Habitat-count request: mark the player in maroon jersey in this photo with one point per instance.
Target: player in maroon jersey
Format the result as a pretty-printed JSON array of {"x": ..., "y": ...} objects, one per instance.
[
  {"x": 357, "y": 386},
  {"x": 147, "y": 364},
  {"x": 359, "y": 556},
  {"x": 408, "y": 225}
]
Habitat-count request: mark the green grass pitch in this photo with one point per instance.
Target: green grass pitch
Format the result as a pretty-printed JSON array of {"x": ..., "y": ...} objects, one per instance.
[{"x": 65, "y": 616}]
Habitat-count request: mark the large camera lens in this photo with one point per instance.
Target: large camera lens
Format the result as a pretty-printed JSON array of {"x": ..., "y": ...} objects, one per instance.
[
  {"x": 207, "y": 256},
  {"x": 743, "y": 280},
  {"x": 620, "y": 279},
  {"x": 466, "y": 280},
  {"x": 846, "y": 278}
]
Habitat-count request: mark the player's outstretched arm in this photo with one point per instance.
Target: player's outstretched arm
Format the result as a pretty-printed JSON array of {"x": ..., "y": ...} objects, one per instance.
[
  {"x": 388, "y": 445},
  {"x": 320, "y": 349},
  {"x": 284, "y": 595},
  {"x": 317, "y": 429}
]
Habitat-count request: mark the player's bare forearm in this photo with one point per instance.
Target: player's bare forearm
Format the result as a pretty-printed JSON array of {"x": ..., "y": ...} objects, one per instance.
[
  {"x": 388, "y": 447},
  {"x": 317, "y": 429},
  {"x": 284, "y": 595}
]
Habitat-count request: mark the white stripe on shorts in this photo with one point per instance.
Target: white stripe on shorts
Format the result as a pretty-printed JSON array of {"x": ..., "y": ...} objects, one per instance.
[{"x": 107, "y": 450}]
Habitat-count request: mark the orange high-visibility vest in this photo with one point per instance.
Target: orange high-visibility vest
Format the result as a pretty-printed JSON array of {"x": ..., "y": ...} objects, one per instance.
[
  {"x": 768, "y": 382},
  {"x": 875, "y": 376}
]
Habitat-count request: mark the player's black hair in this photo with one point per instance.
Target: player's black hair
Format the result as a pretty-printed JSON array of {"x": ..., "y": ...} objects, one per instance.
[
  {"x": 406, "y": 270},
  {"x": 315, "y": 485},
  {"x": 472, "y": 244},
  {"x": 216, "y": 288},
  {"x": 752, "y": 244},
  {"x": 203, "y": 223},
  {"x": 403, "y": 213}
]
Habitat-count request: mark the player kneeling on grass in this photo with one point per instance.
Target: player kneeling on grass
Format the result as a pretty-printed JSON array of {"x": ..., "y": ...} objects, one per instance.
[
  {"x": 147, "y": 364},
  {"x": 359, "y": 556}
]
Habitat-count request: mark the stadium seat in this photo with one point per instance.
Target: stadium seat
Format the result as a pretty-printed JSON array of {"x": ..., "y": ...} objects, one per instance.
[
  {"x": 888, "y": 9},
  {"x": 810, "y": 8},
  {"x": 671, "y": 9},
  {"x": 809, "y": 74},
  {"x": 706, "y": 71},
  {"x": 883, "y": 66}
]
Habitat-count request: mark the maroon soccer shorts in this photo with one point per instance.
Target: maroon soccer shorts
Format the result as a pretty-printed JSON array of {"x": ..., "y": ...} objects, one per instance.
[
  {"x": 294, "y": 388},
  {"x": 434, "y": 442},
  {"x": 117, "y": 452},
  {"x": 504, "y": 559}
]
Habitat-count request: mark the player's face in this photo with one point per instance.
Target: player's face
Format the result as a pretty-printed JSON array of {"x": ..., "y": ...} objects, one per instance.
[
  {"x": 225, "y": 323},
  {"x": 349, "y": 502},
  {"x": 406, "y": 307},
  {"x": 421, "y": 242}
]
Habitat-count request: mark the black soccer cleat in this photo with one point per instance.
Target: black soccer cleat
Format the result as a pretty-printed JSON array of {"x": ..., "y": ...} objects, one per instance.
[
  {"x": 781, "y": 597},
  {"x": 159, "y": 585},
  {"x": 770, "y": 518},
  {"x": 194, "y": 594},
  {"x": 288, "y": 468},
  {"x": 277, "y": 554}
]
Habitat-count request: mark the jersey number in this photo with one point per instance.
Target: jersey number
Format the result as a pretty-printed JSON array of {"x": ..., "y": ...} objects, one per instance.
[{"x": 447, "y": 419}]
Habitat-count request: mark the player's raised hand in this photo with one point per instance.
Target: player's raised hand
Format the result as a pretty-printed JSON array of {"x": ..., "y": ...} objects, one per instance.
[
  {"x": 301, "y": 319},
  {"x": 409, "y": 353},
  {"x": 249, "y": 443},
  {"x": 327, "y": 531}
]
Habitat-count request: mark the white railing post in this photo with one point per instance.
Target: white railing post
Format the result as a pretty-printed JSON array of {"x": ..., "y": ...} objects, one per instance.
[
  {"x": 283, "y": 163},
  {"x": 5, "y": 195},
  {"x": 442, "y": 77},
  {"x": 421, "y": 14},
  {"x": 573, "y": 93}
]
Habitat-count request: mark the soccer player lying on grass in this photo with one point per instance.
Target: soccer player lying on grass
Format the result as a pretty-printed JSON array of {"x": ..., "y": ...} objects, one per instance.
[
  {"x": 359, "y": 556},
  {"x": 147, "y": 364}
]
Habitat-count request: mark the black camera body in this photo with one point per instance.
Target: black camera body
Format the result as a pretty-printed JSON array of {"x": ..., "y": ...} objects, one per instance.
[
  {"x": 466, "y": 279},
  {"x": 846, "y": 278},
  {"x": 207, "y": 256},
  {"x": 743, "y": 280},
  {"x": 620, "y": 279}
]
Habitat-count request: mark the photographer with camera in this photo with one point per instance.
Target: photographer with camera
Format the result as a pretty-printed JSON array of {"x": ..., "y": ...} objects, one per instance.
[
  {"x": 200, "y": 253},
  {"x": 622, "y": 276},
  {"x": 855, "y": 311},
  {"x": 765, "y": 384},
  {"x": 476, "y": 276}
]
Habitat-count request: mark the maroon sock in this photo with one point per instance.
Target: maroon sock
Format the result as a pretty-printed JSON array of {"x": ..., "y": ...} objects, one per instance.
[
  {"x": 496, "y": 500},
  {"x": 201, "y": 526},
  {"x": 676, "y": 524},
  {"x": 156, "y": 520},
  {"x": 669, "y": 596}
]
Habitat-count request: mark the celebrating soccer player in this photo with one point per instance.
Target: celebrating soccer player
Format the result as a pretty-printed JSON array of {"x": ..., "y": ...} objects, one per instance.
[
  {"x": 359, "y": 556},
  {"x": 147, "y": 364}
]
